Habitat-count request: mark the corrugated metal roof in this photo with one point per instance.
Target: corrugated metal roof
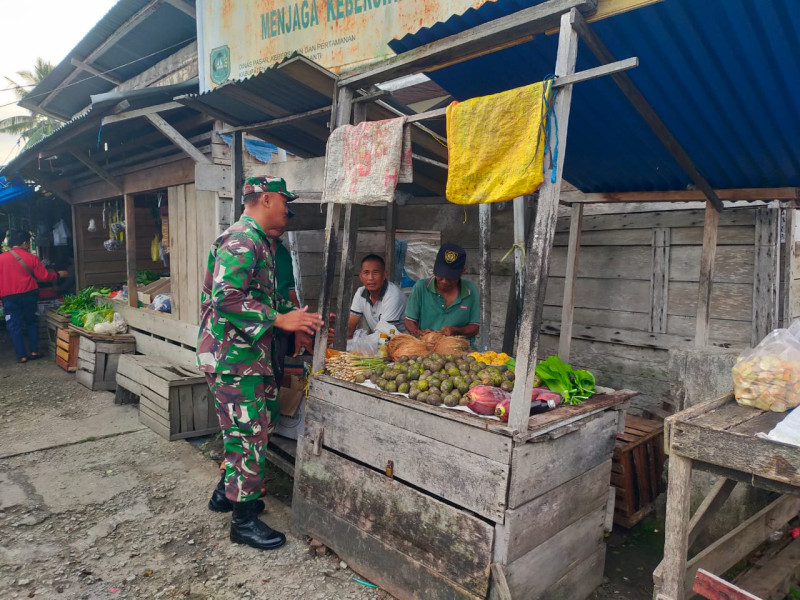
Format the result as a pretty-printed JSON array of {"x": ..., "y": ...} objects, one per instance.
[
  {"x": 294, "y": 86},
  {"x": 723, "y": 75},
  {"x": 85, "y": 131},
  {"x": 162, "y": 33}
]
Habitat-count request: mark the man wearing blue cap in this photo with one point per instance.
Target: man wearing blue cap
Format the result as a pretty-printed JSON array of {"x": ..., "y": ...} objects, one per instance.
[{"x": 445, "y": 302}]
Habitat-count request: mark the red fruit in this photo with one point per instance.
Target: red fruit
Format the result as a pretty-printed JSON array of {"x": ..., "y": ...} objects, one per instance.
[
  {"x": 502, "y": 408},
  {"x": 484, "y": 399},
  {"x": 539, "y": 390}
]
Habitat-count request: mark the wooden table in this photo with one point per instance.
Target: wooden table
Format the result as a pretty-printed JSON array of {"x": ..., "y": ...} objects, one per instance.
[
  {"x": 429, "y": 502},
  {"x": 719, "y": 436}
]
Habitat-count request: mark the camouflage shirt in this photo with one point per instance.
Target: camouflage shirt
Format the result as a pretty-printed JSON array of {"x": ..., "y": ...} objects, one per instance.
[{"x": 239, "y": 303}]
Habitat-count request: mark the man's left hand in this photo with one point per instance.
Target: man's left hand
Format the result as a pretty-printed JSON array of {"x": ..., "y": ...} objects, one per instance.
[{"x": 448, "y": 330}]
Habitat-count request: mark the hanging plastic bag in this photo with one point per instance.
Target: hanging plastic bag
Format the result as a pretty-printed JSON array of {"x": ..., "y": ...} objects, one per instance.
[{"x": 768, "y": 376}]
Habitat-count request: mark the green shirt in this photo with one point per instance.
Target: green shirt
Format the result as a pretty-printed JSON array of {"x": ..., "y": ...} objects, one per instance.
[
  {"x": 426, "y": 306},
  {"x": 284, "y": 270}
]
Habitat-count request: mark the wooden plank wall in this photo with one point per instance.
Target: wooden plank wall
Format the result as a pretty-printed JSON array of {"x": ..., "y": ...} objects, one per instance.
[
  {"x": 192, "y": 230},
  {"x": 99, "y": 267}
]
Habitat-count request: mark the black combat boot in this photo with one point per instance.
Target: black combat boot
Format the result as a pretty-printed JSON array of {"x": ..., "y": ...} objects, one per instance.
[
  {"x": 247, "y": 529},
  {"x": 219, "y": 501}
]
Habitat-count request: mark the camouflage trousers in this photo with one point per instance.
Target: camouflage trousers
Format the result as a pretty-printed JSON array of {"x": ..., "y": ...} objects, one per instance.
[{"x": 247, "y": 409}]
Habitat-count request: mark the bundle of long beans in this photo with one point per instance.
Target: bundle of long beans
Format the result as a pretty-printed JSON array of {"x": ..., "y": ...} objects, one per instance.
[{"x": 351, "y": 367}]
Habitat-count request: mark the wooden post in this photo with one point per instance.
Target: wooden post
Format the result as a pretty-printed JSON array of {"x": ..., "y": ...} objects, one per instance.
[
  {"x": 522, "y": 224},
  {"x": 541, "y": 242},
  {"x": 237, "y": 173},
  {"x": 766, "y": 273},
  {"x": 789, "y": 262},
  {"x": 659, "y": 279},
  {"x": 706, "y": 275},
  {"x": 344, "y": 104},
  {"x": 571, "y": 278},
  {"x": 349, "y": 243},
  {"x": 485, "y": 277},
  {"x": 130, "y": 249},
  {"x": 391, "y": 230},
  {"x": 295, "y": 254},
  {"x": 676, "y": 528},
  {"x": 77, "y": 242},
  {"x": 345, "y": 289}
]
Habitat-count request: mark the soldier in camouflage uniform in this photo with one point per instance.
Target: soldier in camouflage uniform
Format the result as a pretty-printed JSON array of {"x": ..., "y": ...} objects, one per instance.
[{"x": 240, "y": 309}]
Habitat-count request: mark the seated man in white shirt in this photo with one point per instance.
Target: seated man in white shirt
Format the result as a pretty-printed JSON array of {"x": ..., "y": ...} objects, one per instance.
[{"x": 378, "y": 299}]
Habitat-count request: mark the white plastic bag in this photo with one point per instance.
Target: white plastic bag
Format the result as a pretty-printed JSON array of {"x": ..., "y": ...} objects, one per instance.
[
  {"x": 117, "y": 325},
  {"x": 768, "y": 376}
]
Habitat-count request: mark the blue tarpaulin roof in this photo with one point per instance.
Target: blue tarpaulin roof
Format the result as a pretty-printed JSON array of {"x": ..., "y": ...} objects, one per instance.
[
  {"x": 258, "y": 149},
  {"x": 723, "y": 75},
  {"x": 14, "y": 190}
]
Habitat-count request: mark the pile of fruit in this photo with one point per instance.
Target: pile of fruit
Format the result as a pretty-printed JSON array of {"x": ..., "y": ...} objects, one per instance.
[
  {"x": 437, "y": 379},
  {"x": 491, "y": 357}
]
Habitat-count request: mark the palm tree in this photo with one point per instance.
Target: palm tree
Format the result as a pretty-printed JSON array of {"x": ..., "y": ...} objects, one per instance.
[{"x": 31, "y": 127}]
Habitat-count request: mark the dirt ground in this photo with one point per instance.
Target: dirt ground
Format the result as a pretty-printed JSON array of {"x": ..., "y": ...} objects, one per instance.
[{"x": 94, "y": 505}]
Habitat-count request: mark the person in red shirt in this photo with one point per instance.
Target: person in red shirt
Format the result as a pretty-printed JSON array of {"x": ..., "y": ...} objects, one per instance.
[{"x": 19, "y": 292}]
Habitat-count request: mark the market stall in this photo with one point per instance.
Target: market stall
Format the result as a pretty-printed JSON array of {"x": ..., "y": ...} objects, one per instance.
[
  {"x": 425, "y": 498},
  {"x": 726, "y": 439}
]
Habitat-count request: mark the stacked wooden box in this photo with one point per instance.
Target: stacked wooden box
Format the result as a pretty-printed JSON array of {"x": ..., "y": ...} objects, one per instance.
[
  {"x": 98, "y": 358},
  {"x": 433, "y": 503},
  {"x": 67, "y": 346},
  {"x": 638, "y": 465},
  {"x": 174, "y": 401},
  {"x": 53, "y": 321}
]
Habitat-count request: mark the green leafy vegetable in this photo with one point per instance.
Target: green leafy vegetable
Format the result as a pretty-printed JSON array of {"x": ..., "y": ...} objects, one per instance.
[
  {"x": 83, "y": 301},
  {"x": 575, "y": 386},
  {"x": 146, "y": 277}
]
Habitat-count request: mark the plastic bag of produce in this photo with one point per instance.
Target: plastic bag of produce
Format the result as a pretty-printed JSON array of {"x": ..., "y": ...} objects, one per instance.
[
  {"x": 99, "y": 316},
  {"x": 118, "y": 325},
  {"x": 768, "y": 376}
]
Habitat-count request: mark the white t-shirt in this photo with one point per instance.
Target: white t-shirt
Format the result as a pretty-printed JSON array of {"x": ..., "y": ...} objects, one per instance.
[{"x": 390, "y": 307}]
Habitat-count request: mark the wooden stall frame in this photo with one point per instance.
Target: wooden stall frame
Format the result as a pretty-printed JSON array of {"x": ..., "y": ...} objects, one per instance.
[{"x": 719, "y": 436}]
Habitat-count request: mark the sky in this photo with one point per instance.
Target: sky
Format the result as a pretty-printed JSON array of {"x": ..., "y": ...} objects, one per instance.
[{"x": 39, "y": 28}]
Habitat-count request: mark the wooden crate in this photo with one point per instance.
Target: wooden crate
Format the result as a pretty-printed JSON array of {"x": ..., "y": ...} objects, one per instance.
[
  {"x": 67, "y": 342},
  {"x": 638, "y": 464},
  {"x": 52, "y": 321},
  {"x": 98, "y": 358},
  {"x": 432, "y": 503},
  {"x": 174, "y": 401}
]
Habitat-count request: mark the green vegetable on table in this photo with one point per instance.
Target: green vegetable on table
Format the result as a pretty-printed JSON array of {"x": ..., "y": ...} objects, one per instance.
[
  {"x": 82, "y": 301},
  {"x": 574, "y": 385}
]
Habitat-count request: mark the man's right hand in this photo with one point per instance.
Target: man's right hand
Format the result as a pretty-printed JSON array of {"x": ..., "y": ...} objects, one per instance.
[{"x": 299, "y": 320}]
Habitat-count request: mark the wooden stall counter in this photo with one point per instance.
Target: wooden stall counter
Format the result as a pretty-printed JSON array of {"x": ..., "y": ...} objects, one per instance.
[
  {"x": 427, "y": 502},
  {"x": 720, "y": 437}
]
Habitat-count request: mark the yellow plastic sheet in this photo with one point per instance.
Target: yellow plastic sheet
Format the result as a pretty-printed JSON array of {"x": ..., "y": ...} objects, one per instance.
[{"x": 493, "y": 150}]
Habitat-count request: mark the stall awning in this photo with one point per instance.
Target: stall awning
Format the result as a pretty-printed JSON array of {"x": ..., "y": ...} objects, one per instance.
[
  {"x": 132, "y": 37},
  {"x": 295, "y": 86},
  {"x": 14, "y": 190},
  {"x": 722, "y": 75}
]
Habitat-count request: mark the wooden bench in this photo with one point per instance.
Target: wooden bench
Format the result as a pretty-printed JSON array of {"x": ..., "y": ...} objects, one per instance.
[{"x": 174, "y": 400}]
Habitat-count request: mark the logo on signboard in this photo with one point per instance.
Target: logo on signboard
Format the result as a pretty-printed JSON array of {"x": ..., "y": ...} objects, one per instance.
[{"x": 220, "y": 64}]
